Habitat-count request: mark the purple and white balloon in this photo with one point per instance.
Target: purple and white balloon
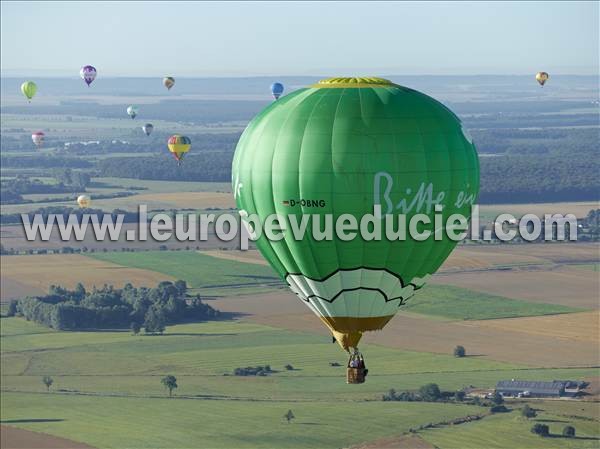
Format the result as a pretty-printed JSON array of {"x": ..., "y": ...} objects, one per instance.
[{"x": 88, "y": 74}]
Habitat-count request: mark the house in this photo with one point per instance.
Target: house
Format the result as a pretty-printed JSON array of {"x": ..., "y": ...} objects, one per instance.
[
  {"x": 572, "y": 388},
  {"x": 536, "y": 389}
]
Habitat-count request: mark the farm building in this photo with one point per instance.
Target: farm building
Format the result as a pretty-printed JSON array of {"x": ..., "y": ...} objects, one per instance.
[{"x": 526, "y": 388}]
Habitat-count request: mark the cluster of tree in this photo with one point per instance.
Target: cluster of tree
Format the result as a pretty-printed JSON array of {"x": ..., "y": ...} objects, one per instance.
[
  {"x": 110, "y": 308},
  {"x": 590, "y": 226},
  {"x": 76, "y": 180},
  {"x": 431, "y": 393},
  {"x": 504, "y": 179},
  {"x": 253, "y": 371},
  {"x": 208, "y": 166},
  {"x": 67, "y": 181},
  {"x": 528, "y": 412},
  {"x": 44, "y": 161},
  {"x": 460, "y": 351},
  {"x": 520, "y": 179},
  {"x": 170, "y": 383},
  {"x": 289, "y": 416},
  {"x": 155, "y": 143},
  {"x": 12, "y": 189},
  {"x": 501, "y": 120},
  {"x": 531, "y": 142},
  {"x": 65, "y": 212},
  {"x": 544, "y": 431},
  {"x": 427, "y": 393},
  {"x": 191, "y": 111}
]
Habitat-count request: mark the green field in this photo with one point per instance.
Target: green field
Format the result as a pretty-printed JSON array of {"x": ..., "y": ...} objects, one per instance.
[
  {"x": 212, "y": 276},
  {"x": 165, "y": 186},
  {"x": 510, "y": 430},
  {"x": 172, "y": 423},
  {"x": 462, "y": 304},
  {"x": 107, "y": 389}
]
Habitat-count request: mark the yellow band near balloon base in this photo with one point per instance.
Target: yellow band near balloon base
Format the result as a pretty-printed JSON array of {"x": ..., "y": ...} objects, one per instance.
[{"x": 349, "y": 330}]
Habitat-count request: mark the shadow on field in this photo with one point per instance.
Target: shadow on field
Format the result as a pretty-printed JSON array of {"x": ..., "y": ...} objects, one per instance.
[
  {"x": 573, "y": 438},
  {"x": 23, "y": 421}
]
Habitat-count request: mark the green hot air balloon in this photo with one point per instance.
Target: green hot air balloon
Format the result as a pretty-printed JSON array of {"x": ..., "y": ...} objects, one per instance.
[
  {"x": 29, "y": 88},
  {"x": 345, "y": 146}
]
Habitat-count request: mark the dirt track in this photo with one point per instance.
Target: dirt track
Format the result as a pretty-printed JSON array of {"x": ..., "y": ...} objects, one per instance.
[{"x": 14, "y": 438}]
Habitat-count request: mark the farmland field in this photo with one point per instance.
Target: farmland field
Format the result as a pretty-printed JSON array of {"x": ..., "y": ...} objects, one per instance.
[
  {"x": 507, "y": 304},
  {"x": 213, "y": 276},
  {"x": 511, "y": 430},
  {"x": 23, "y": 275},
  {"x": 108, "y": 383},
  {"x": 561, "y": 285},
  {"x": 460, "y": 303}
]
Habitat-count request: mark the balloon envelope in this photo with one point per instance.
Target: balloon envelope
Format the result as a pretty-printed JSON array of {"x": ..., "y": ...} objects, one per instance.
[
  {"x": 132, "y": 111},
  {"x": 542, "y": 77},
  {"x": 168, "y": 82},
  {"x": 29, "y": 88},
  {"x": 179, "y": 145},
  {"x": 277, "y": 90},
  {"x": 88, "y": 74},
  {"x": 147, "y": 128},
  {"x": 38, "y": 138},
  {"x": 350, "y": 146},
  {"x": 84, "y": 201}
]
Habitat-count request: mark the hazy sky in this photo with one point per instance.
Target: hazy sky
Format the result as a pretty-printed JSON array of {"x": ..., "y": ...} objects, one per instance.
[{"x": 338, "y": 38}]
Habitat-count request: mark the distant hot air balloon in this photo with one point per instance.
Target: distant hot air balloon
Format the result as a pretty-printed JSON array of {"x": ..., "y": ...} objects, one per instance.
[
  {"x": 541, "y": 78},
  {"x": 168, "y": 82},
  {"x": 132, "y": 111},
  {"x": 84, "y": 201},
  {"x": 88, "y": 74},
  {"x": 147, "y": 128},
  {"x": 276, "y": 90},
  {"x": 355, "y": 147},
  {"x": 38, "y": 138},
  {"x": 178, "y": 146},
  {"x": 29, "y": 88}
]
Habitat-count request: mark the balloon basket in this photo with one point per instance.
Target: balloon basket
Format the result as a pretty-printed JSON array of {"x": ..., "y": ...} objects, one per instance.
[
  {"x": 356, "y": 371},
  {"x": 355, "y": 376}
]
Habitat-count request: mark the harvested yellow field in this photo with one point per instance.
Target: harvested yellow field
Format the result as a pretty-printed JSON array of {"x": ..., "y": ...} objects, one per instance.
[
  {"x": 172, "y": 200},
  {"x": 11, "y": 289},
  {"x": 563, "y": 285},
  {"x": 41, "y": 271},
  {"x": 473, "y": 258},
  {"x": 250, "y": 256},
  {"x": 577, "y": 327}
]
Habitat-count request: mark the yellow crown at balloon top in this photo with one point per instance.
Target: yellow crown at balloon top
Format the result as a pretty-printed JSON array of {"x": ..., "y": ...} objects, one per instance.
[{"x": 361, "y": 81}]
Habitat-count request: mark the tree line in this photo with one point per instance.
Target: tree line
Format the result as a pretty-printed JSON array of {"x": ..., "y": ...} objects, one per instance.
[
  {"x": 504, "y": 179},
  {"x": 109, "y": 308},
  {"x": 66, "y": 211},
  {"x": 66, "y": 181}
]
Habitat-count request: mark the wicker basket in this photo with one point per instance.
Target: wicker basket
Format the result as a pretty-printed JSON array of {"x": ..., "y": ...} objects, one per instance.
[{"x": 355, "y": 375}]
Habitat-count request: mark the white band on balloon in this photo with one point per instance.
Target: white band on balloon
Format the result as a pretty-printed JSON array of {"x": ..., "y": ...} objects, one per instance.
[{"x": 360, "y": 292}]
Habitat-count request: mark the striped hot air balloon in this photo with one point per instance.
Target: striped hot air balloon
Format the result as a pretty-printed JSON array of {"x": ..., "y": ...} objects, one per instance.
[{"x": 179, "y": 145}]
